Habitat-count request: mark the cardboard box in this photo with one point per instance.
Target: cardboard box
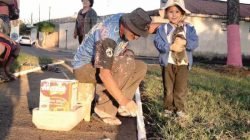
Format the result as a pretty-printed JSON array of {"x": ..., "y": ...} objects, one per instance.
[{"x": 58, "y": 94}]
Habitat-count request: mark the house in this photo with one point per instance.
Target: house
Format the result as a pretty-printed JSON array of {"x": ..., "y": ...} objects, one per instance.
[
  {"x": 208, "y": 16},
  {"x": 64, "y": 31},
  {"x": 210, "y": 20},
  {"x": 63, "y": 35}
]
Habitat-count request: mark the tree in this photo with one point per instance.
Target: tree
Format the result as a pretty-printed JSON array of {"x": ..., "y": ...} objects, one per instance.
[
  {"x": 234, "y": 57},
  {"x": 22, "y": 28},
  {"x": 46, "y": 28}
]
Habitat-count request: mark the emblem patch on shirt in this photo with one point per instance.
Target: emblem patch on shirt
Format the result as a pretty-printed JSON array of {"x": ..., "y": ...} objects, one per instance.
[{"x": 109, "y": 52}]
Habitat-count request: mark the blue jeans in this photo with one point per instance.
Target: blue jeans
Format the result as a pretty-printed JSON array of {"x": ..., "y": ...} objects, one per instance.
[{"x": 5, "y": 24}]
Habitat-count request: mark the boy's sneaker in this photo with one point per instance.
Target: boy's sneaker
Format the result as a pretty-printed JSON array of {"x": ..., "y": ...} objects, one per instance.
[
  {"x": 168, "y": 113},
  {"x": 182, "y": 115}
]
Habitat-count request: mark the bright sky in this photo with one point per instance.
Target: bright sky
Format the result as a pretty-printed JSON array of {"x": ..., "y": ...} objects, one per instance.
[{"x": 65, "y": 8}]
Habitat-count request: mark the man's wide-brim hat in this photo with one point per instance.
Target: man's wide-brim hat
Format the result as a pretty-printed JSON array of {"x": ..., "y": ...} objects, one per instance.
[
  {"x": 137, "y": 21},
  {"x": 179, "y": 3}
]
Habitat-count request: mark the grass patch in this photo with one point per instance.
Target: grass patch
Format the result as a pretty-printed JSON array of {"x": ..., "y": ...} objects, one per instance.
[
  {"x": 29, "y": 60},
  {"x": 218, "y": 105}
]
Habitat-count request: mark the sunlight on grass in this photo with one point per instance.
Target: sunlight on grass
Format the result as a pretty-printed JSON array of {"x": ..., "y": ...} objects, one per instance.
[
  {"x": 218, "y": 105},
  {"x": 29, "y": 59}
]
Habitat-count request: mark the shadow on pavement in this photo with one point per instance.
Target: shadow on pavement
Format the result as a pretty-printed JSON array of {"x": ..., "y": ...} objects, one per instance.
[{"x": 9, "y": 99}]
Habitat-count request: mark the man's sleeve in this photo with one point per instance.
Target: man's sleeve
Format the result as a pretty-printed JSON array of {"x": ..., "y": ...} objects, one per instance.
[
  {"x": 153, "y": 12},
  {"x": 192, "y": 38},
  {"x": 104, "y": 53}
]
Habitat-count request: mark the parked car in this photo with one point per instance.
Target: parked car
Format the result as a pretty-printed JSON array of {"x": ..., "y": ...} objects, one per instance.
[{"x": 26, "y": 40}]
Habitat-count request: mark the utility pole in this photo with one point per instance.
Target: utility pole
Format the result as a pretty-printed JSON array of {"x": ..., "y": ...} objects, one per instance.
[
  {"x": 31, "y": 19},
  {"x": 39, "y": 12},
  {"x": 234, "y": 57},
  {"x": 66, "y": 47},
  {"x": 49, "y": 12}
]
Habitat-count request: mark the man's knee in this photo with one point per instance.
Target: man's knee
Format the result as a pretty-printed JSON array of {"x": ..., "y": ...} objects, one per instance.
[
  {"x": 85, "y": 74},
  {"x": 141, "y": 67}
]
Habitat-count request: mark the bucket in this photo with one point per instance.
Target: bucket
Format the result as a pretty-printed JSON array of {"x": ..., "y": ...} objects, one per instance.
[
  {"x": 57, "y": 120},
  {"x": 85, "y": 96}
]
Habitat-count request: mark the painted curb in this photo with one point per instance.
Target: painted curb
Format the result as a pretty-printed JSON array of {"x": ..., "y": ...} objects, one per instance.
[
  {"x": 17, "y": 74},
  {"x": 140, "y": 118}
]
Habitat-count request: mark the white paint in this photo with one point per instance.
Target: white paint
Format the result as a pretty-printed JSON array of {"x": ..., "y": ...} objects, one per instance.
[
  {"x": 17, "y": 74},
  {"x": 71, "y": 43},
  {"x": 141, "y": 132}
]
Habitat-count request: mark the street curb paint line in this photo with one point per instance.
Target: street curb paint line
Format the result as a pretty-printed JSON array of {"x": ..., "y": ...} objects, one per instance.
[
  {"x": 141, "y": 131},
  {"x": 17, "y": 74}
]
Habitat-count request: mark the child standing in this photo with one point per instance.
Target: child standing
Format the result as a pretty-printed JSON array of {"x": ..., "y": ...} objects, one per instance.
[{"x": 175, "y": 41}]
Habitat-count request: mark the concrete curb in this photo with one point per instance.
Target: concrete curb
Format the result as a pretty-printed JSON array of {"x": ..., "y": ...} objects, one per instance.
[
  {"x": 141, "y": 131},
  {"x": 17, "y": 74}
]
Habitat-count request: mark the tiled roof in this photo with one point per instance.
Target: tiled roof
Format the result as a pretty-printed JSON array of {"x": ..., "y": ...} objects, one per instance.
[
  {"x": 214, "y": 7},
  {"x": 63, "y": 20},
  {"x": 205, "y": 7}
]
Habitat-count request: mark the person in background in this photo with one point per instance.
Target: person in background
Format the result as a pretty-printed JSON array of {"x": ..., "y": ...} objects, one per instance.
[
  {"x": 174, "y": 38},
  {"x": 9, "y": 51},
  {"x": 4, "y": 18},
  {"x": 86, "y": 19}
]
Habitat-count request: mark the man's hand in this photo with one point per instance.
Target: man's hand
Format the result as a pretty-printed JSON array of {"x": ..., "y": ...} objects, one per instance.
[
  {"x": 130, "y": 109},
  {"x": 153, "y": 27},
  {"x": 12, "y": 41}
]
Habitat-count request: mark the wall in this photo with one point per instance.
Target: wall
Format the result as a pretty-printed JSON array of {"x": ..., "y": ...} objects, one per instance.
[
  {"x": 33, "y": 34},
  {"x": 71, "y": 43},
  {"x": 245, "y": 37},
  {"x": 144, "y": 46},
  {"x": 51, "y": 40},
  {"x": 212, "y": 39}
]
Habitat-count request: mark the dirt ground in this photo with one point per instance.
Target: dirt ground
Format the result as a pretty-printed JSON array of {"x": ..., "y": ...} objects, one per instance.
[
  {"x": 229, "y": 70},
  {"x": 219, "y": 65},
  {"x": 18, "y": 98}
]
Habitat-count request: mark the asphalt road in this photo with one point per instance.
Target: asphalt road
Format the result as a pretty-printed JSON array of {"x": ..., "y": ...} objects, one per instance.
[{"x": 54, "y": 53}]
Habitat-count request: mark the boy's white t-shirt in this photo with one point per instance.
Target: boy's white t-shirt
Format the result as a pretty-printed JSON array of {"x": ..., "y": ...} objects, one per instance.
[{"x": 169, "y": 39}]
